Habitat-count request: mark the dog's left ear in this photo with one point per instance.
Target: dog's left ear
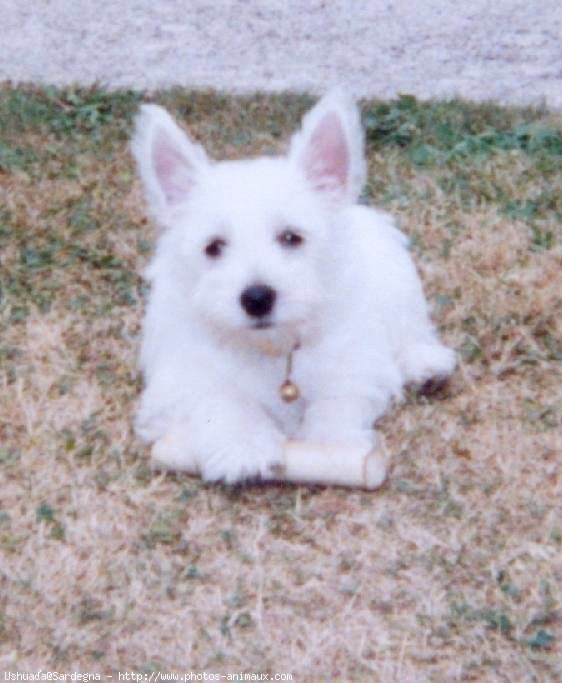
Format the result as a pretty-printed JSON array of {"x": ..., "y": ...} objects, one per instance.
[{"x": 329, "y": 148}]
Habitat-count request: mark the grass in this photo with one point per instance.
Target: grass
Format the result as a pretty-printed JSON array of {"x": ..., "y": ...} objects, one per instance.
[{"x": 451, "y": 571}]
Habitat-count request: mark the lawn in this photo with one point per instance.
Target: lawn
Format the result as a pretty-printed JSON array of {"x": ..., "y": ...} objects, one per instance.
[{"x": 451, "y": 571}]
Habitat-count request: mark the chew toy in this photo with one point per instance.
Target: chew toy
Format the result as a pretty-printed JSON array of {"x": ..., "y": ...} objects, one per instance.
[{"x": 303, "y": 462}]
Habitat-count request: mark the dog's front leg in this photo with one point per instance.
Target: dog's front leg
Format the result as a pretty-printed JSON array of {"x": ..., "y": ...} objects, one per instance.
[
  {"x": 340, "y": 420},
  {"x": 223, "y": 438}
]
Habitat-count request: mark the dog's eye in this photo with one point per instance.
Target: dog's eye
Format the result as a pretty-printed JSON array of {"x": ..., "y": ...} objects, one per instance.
[
  {"x": 290, "y": 238},
  {"x": 215, "y": 247}
]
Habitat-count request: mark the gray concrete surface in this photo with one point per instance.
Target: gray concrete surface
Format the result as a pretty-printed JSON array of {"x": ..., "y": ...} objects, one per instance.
[{"x": 509, "y": 50}]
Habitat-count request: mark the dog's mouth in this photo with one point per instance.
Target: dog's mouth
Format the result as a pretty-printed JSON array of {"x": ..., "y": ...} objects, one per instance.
[{"x": 262, "y": 325}]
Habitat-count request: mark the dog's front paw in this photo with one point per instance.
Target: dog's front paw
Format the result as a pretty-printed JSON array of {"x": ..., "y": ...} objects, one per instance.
[{"x": 250, "y": 456}]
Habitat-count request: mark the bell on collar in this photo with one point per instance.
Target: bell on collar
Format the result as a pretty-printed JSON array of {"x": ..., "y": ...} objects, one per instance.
[{"x": 289, "y": 391}]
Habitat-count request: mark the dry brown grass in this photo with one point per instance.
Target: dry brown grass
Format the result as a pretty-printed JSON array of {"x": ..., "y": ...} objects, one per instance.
[{"x": 451, "y": 571}]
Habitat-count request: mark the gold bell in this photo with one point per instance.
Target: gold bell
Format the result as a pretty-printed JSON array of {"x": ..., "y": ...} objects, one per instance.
[{"x": 289, "y": 391}]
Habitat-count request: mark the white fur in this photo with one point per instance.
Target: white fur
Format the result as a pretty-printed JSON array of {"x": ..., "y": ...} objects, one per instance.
[{"x": 349, "y": 296}]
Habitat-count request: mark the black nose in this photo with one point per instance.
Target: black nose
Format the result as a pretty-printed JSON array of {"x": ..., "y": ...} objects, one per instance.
[{"x": 258, "y": 300}]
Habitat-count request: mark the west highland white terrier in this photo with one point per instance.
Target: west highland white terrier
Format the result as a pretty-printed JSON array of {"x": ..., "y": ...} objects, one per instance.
[{"x": 279, "y": 307}]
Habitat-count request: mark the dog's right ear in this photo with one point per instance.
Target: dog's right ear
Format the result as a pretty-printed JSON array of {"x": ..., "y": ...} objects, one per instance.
[{"x": 168, "y": 162}]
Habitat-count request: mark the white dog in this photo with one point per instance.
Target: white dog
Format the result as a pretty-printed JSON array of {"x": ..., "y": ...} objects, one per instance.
[{"x": 267, "y": 271}]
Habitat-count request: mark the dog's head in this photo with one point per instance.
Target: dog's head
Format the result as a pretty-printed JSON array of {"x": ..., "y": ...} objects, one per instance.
[{"x": 253, "y": 243}]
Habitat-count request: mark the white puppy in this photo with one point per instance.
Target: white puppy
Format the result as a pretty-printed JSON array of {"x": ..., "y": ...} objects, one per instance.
[{"x": 266, "y": 268}]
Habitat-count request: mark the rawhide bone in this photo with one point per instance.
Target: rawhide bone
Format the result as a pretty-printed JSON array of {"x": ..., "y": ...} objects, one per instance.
[{"x": 303, "y": 462}]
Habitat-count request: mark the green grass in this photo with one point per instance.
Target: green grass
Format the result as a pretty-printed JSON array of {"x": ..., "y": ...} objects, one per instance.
[
  {"x": 71, "y": 112},
  {"x": 445, "y": 132}
]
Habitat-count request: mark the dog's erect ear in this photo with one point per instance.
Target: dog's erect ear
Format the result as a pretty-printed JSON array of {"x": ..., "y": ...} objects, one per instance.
[
  {"x": 329, "y": 148},
  {"x": 168, "y": 162}
]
